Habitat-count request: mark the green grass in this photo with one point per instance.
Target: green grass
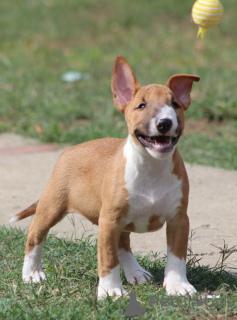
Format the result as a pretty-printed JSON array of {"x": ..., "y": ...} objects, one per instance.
[
  {"x": 40, "y": 40},
  {"x": 70, "y": 289}
]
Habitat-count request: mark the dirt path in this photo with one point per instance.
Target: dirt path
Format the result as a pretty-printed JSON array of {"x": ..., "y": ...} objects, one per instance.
[{"x": 25, "y": 167}]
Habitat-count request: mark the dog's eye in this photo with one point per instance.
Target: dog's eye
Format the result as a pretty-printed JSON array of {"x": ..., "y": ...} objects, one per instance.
[
  {"x": 175, "y": 105},
  {"x": 141, "y": 106}
]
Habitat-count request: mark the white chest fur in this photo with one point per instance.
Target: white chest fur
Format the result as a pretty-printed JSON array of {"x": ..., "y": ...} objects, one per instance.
[{"x": 154, "y": 191}]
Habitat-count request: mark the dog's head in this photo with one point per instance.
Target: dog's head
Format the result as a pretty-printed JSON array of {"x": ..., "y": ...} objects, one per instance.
[{"x": 155, "y": 113}]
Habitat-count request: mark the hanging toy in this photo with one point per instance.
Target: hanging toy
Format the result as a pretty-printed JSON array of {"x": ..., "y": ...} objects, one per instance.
[{"x": 206, "y": 14}]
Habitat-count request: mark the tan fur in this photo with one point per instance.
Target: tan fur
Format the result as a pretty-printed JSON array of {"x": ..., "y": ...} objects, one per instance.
[
  {"x": 130, "y": 227},
  {"x": 124, "y": 241},
  {"x": 154, "y": 223},
  {"x": 90, "y": 178},
  {"x": 27, "y": 212},
  {"x": 178, "y": 227}
]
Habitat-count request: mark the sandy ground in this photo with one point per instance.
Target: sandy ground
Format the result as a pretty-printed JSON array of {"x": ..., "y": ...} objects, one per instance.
[{"x": 25, "y": 167}]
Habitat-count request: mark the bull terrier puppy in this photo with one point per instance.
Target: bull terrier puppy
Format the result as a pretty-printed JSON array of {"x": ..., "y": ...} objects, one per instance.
[{"x": 124, "y": 185}]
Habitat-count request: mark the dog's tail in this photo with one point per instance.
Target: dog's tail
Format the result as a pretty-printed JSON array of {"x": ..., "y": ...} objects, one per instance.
[{"x": 25, "y": 213}]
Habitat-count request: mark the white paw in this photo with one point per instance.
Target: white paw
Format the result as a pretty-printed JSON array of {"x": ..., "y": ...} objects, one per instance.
[
  {"x": 111, "y": 285},
  {"x": 179, "y": 288},
  {"x": 134, "y": 273},
  {"x": 138, "y": 276},
  {"x": 176, "y": 282},
  {"x": 34, "y": 276},
  {"x": 32, "y": 269},
  {"x": 112, "y": 292}
]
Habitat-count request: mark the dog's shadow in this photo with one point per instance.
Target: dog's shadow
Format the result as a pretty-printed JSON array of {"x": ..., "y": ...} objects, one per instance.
[
  {"x": 203, "y": 277},
  {"x": 207, "y": 279}
]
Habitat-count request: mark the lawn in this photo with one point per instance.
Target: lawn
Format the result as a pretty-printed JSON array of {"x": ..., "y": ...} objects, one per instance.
[
  {"x": 41, "y": 40},
  {"x": 70, "y": 289}
]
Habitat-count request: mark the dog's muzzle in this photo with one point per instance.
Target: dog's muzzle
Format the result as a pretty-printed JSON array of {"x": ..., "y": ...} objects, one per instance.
[{"x": 160, "y": 143}]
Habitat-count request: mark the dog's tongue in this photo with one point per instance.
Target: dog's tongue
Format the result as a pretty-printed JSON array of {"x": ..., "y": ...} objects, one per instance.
[
  {"x": 162, "y": 140},
  {"x": 159, "y": 140},
  {"x": 158, "y": 143},
  {"x": 162, "y": 144}
]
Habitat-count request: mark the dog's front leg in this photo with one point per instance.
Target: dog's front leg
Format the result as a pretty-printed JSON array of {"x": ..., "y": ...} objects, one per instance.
[
  {"x": 133, "y": 271},
  {"x": 108, "y": 264},
  {"x": 175, "y": 281}
]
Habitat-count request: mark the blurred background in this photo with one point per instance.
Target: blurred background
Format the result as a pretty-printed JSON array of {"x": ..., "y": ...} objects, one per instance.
[{"x": 41, "y": 40}]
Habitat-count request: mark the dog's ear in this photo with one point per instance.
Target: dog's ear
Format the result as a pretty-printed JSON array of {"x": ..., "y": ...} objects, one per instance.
[
  {"x": 181, "y": 85},
  {"x": 124, "y": 85}
]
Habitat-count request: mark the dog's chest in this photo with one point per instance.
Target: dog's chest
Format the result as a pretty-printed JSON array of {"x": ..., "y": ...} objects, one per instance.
[{"x": 155, "y": 193}]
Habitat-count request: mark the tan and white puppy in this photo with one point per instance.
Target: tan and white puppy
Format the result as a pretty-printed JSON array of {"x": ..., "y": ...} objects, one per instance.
[{"x": 131, "y": 185}]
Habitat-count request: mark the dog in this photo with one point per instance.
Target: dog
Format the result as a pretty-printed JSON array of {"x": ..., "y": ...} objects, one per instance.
[{"x": 124, "y": 185}]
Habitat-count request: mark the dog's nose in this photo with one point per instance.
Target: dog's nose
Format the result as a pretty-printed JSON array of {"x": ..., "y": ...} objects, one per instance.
[{"x": 164, "y": 125}]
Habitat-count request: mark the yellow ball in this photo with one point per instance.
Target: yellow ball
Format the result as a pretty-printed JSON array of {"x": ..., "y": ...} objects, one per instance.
[{"x": 206, "y": 14}]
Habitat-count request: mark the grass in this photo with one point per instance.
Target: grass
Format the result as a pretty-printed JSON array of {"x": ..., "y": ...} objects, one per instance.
[
  {"x": 41, "y": 40},
  {"x": 70, "y": 289}
]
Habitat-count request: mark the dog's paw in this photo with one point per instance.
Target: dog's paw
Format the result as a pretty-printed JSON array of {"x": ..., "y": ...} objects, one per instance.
[
  {"x": 34, "y": 276},
  {"x": 179, "y": 288},
  {"x": 134, "y": 273},
  {"x": 138, "y": 275},
  {"x": 115, "y": 292},
  {"x": 111, "y": 285}
]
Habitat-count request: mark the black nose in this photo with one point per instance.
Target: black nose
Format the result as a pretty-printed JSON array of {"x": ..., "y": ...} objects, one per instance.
[{"x": 164, "y": 125}]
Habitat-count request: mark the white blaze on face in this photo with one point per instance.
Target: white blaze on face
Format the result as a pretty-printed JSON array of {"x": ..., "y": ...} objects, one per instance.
[{"x": 166, "y": 112}]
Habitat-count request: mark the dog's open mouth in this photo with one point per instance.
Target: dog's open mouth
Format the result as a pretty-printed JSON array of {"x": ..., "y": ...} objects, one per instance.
[{"x": 158, "y": 143}]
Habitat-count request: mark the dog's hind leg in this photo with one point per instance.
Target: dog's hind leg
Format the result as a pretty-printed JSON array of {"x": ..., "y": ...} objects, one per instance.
[
  {"x": 32, "y": 268},
  {"x": 47, "y": 215},
  {"x": 133, "y": 271}
]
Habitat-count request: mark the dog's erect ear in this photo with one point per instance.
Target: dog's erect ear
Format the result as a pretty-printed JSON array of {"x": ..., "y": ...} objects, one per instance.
[
  {"x": 124, "y": 85},
  {"x": 181, "y": 85}
]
